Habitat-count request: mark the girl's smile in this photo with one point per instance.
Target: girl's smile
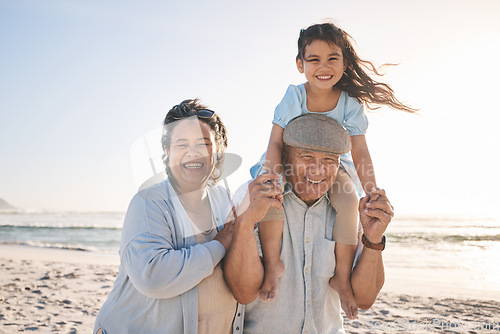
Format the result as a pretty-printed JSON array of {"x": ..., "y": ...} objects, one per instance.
[{"x": 323, "y": 64}]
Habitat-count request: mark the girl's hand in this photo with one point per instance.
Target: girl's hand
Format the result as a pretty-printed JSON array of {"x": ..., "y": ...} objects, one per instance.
[{"x": 373, "y": 195}]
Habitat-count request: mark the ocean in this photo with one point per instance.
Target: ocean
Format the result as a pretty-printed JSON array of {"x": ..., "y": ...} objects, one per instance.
[
  {"x": 457, "y": 253},
  {"x": 88, "y": 231},
  {"x": 458, "y": 250}
]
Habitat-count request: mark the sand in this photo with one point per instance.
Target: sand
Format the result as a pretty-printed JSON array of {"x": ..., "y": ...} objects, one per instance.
[
  {"x": 57, "y": 291},
  {"x": 52, "y": 291}
]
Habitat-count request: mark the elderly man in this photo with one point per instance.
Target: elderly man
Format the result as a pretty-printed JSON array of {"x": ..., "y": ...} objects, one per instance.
[{"x": 306, "y": 303}]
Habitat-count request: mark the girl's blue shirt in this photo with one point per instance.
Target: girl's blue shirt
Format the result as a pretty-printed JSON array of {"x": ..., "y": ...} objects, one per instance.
[{"x": 348, "y": 112}]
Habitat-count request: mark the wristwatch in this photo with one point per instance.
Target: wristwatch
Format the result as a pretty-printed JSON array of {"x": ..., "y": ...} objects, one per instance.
[{"x": 368, "y": 244}]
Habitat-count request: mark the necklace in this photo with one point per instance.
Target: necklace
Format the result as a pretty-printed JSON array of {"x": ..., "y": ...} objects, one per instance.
[
  {"x": 210, "y": 230},
  {"x": 197, "y": 212},
  {"x": 184, "y": 204},
  {"x": 197, "y": 228}
]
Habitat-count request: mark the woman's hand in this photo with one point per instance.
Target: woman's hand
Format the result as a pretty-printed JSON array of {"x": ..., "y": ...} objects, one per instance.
[{"x": 225, "y": 235}]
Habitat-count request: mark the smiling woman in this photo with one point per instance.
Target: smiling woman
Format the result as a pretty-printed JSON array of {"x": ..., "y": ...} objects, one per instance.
[
  {"x": 173, "y": 239},
  {"x": 190, "y": 154}
]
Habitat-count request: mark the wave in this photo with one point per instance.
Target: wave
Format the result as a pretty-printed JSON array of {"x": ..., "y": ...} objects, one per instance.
[
  {"x": 51, "y": 212},
  {"x": 52, "y": 246},
  {"x": 433, "y": 238},
  {"x": 60, "y": 227}
]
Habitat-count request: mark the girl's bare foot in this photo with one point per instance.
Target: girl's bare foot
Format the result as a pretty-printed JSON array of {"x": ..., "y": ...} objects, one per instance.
[
  {"x": 270, "y": 286},
  {"x": 343, "y": 288}
]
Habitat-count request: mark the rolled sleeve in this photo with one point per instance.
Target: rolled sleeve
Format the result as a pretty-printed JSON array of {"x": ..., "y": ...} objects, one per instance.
[{"x": 217, "y": 251}]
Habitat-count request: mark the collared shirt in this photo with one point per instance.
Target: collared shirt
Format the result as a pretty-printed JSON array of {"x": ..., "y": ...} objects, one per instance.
[{"x": 305, "y": 302}]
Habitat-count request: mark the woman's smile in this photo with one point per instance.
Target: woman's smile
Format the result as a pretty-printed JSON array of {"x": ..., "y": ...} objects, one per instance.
[
  {"x": 193, "y": 165},
  {"x": 190, "y": 154}
]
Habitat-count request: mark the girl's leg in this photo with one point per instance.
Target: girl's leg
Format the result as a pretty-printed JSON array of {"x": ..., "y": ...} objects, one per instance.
[
  {"x": 270, "y": 231},
  {"x": 345, "y": 233}
]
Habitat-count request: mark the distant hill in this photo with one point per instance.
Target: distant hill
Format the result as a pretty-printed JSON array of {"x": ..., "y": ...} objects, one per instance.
[{"x": 6, "y": 206}]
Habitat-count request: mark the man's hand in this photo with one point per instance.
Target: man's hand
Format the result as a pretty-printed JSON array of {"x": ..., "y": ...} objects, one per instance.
[
  {"x": 375, "y": 215},
  {"x": 262, "y": 193}
]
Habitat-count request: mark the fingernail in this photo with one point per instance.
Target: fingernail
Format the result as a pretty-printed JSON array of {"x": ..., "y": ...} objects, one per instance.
[{"x": 368, "y": 204}]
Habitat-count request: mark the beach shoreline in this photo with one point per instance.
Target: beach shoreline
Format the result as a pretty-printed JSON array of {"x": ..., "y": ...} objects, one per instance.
[{"x": 53, "y": 290}]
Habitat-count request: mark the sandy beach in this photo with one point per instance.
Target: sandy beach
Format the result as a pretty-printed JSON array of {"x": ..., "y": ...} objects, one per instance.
[
  {"x": 52, "y": 291},
  {"x": 61, "y": 291}
]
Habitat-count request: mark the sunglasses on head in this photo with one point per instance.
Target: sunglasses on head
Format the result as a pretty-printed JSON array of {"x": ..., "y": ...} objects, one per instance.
[{"x": 201, "y": 113}]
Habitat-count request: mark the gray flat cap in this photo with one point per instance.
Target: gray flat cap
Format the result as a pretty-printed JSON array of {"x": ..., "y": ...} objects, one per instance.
[{"x": 318, "y": 133}]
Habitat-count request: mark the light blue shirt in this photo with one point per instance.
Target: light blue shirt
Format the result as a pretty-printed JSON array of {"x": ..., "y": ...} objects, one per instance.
[
  {"x": 348, "y": 112},
  {"x": 156, "y": 287}
]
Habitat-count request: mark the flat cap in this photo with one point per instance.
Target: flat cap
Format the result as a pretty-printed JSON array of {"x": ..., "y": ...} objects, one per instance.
[{"x": 316, "y": 132}]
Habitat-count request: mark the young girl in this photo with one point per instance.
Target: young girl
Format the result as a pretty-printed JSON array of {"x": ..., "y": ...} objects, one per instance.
[{"x": 337, "y": 86}]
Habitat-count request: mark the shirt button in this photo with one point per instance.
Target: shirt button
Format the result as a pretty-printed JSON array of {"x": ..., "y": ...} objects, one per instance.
[
  {"x": 237, "y": 328},
  {"x": 239, "y": 314},
  {"x": 308, "y": 303},
  {"x": 307, "y": 271},
  {"x": 307, "y": 239}
]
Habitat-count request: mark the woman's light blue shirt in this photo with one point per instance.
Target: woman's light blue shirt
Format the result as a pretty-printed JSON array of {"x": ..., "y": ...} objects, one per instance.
[{"x": 156, "y": 287}]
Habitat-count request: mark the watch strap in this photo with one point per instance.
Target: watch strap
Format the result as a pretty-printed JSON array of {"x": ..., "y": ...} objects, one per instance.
[{"x": 368, "y": 244}]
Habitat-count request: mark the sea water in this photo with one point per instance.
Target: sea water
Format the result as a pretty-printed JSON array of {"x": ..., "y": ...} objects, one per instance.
[
  {"x": 455, "y": 253},
  {"x": 85, "y": 231},
  {"x": 451, "y": 249}
]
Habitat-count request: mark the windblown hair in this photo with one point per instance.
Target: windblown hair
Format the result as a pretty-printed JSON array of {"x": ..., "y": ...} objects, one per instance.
[
  {"x": 356, "y": 82},
  {"x": 189, "y": 108}
]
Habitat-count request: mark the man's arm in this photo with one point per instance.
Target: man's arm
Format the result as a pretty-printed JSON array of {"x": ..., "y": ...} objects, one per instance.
[
  {"x": 368, "y": 276},
  {"x": 243, "y": 268}
]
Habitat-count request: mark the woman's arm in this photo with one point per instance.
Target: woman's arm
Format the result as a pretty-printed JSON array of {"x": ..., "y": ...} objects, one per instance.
[
  {"x": 363, "y": 163},
  {"x": 148, "y": 254},
  {"x": 159, "y": 271},
  {"x": 274, "y": 150}
]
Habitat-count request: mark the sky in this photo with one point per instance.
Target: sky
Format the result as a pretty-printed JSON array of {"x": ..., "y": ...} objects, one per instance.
[{"x": 84, "y": 84}]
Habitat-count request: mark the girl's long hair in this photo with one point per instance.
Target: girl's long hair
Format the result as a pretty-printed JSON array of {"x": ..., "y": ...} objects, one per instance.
[{"x": 355, "y": 81}]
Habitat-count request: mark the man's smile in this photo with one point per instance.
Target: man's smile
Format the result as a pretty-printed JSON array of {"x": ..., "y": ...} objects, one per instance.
[{"x": 314, "y": 181}]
